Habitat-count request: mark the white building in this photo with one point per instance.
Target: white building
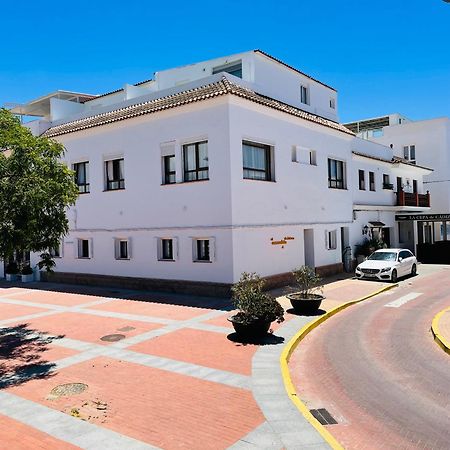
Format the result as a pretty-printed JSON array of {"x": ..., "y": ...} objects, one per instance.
[
  {"x": 208, "y": 170},
  {"x": 424, "y": 142}
]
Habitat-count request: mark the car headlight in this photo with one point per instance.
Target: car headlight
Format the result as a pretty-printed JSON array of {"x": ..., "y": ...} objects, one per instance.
[
  {"x": 358, "y": 269},
  {"x": 386, "y": 269}
]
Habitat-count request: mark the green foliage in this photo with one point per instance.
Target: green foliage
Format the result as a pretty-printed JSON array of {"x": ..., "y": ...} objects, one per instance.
[
  {"x": 12, "y": 268},
  {"x": 35, "y": 189},
  {"x": 27, "y": 270},
  {"x": 253, "y": 303},
  {"x": 46, "y": 262},
  {"x": 308, "y": 282},
  {"x": 368, "y": 246}
]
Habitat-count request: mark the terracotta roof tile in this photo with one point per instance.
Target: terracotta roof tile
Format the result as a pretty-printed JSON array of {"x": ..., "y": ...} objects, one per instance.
[
  {"x": 394, "y": 160},
  {"x": 216, "y": 89}
]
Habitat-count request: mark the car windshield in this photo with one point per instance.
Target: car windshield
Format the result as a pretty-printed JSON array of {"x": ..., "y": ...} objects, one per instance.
[{"x": 383, "y": 256}]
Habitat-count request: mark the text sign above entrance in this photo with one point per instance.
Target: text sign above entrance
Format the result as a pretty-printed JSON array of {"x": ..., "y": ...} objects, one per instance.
[{"x": 427, "y": 217}]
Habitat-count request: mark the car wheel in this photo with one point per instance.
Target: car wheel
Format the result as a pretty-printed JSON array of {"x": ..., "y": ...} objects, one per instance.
[
  {"x": 394, "y": 276},
  {"x": 413, "y": 270}
]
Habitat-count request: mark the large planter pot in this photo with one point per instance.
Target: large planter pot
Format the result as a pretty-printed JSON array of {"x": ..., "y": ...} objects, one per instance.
[
  {"x": 11, "y": 277},
  {"x": 27, "y": 278},
  {"x": 257, "y": 328},
  {"x": 305, "y": 305}
]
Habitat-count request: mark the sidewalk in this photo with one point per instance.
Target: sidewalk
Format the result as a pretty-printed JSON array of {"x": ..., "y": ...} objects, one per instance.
[{"x": 101, "y": 368}]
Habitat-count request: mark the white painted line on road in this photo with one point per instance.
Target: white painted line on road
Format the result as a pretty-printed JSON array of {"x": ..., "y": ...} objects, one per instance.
[{"x": 402, "y": 300}]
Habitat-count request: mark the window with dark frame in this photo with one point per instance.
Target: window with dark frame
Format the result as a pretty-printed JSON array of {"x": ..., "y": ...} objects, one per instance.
[
  {"x": 83, "y": 248},
  {"x": 234, "y": 68},
  {"x": 82, "y": 176},
  {"x": 114, "y": 174},
  {"x": 372, "y": 181},
  {"x": 203, "y": 253},
  {"x": 195, "y": 156},
  {"x": 167, "y": 249},
  {"x": 362, "y": 180},
  {"x": 304, "y": 94},
  {"x": 122, "y": 249},
  {"x": 169, "y": 169},
  {"x": 336, "y": 175},
  {"x": 256, "y": 160}
]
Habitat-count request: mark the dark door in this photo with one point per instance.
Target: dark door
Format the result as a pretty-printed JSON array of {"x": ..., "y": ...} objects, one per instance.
[
  {"x": 399, "y": 184},
  {"x": 387, "y": 236},
  {"x": 415, "y": 186}
]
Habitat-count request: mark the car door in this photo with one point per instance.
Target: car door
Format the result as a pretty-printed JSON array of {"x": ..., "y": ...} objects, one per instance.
[{"x": 405, "y": 263}]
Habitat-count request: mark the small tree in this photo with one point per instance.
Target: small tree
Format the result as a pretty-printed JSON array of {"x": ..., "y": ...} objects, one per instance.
[
  {"x": 253, "y": 303},
  {"x": 308, "y": 281},
  {"x": 36, "y": 188}
]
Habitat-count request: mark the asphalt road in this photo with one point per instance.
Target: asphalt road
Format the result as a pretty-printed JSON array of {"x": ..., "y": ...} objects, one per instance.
[{"x": 377, "y": 370}]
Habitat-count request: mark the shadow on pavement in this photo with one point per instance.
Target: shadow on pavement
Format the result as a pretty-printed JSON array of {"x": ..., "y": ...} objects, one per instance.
[
  {"x": 268, "y": 339},
  {"x": 168, "y": 298},
  {"x": 319, "y": 312},
  {"x": 21, "y": 355}
]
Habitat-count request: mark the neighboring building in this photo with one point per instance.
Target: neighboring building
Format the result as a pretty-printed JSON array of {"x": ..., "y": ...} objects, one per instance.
[
  {"x": 229, "y": 165},
  {"x": 424, "y": 142}
]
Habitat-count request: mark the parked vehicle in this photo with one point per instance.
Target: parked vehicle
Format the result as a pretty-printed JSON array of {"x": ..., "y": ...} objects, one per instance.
[{"x": 388, "y": 264}]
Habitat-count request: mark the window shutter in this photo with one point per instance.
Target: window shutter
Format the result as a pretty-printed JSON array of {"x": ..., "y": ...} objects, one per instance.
[
  {"x": 326, "y": 240},
  {"x": 175, "y": 248},
  {"x": 194, "y": 249},
  {"x": 212, "y": 249},
  {"x": 116, "y": 248},
  {"x": 91, "y": 248},
  {"x": 76, "y": 248},
  {"x": 61, "y": 248},
  {"x": 129, "y": 247}
]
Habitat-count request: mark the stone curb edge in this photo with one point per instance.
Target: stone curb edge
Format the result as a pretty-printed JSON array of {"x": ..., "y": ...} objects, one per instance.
[
  {"x": 286, "y": 355},
  {"x": 439, "y": 339}
]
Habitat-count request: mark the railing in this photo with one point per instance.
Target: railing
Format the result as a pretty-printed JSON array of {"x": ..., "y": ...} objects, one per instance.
[{"x": 415, "y": 199}]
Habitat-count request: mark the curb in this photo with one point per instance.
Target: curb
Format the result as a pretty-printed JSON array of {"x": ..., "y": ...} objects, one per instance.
[
  {"x": 439, "y": 339},
  {"x": 292, "y": 345}
]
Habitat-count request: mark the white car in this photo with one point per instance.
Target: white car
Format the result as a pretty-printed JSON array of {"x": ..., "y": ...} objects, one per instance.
[{"x": 388, "y": 264}]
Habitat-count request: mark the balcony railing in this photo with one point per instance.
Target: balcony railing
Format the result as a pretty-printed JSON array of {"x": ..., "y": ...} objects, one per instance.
[{"x": 415, "y": 199}]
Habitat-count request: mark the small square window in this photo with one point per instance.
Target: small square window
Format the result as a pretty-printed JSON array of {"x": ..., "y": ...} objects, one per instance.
[
  {"x": 257, "y": 161},
  {"x": 336, "y": 174},
  {"x": 122, "y": 249},
  {"x": 84, "y": 248},
  {"x": 203, "y": 250},
  {"x": 57, "y": 251},
  {"x": 196, "y": 163},
  {"x": 114, "y": 172}
]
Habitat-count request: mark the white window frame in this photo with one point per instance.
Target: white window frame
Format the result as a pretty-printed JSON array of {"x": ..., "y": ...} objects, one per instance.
[
  {"x": 331, "y": 239},
  {"x": 305, "y": 99},
  {"x": 303, "y": 155},
  {"x": 60, "y": 250},
  {"x": 90, "y": 248},
  {"x": 407, "y": 153},
  {"x": 212, "y": 249},
  {"x": 117, "y": 242},
  {"x": 174, "y": 248}
]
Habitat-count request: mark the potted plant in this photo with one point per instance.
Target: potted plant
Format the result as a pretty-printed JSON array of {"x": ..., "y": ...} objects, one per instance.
[
  {"x": 12, "y": 270},
  {"x": 257, "y": 309},
  {"x": 27, "y": 274},
  {"x": 309, "y": 298}
]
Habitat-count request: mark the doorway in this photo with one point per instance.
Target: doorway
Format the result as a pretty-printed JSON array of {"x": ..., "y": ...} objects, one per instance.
[{"x": 308, "y": 239}]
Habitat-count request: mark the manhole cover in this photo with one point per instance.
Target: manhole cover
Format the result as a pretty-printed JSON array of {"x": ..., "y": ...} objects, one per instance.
[
  {"x": 127, "y": 328},
  {"x": 66, "y": 390},
  {"x": 112, "y": 337}
]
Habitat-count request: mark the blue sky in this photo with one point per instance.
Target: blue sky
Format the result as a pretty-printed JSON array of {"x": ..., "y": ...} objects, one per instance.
[{"x": 382, "y": 56}]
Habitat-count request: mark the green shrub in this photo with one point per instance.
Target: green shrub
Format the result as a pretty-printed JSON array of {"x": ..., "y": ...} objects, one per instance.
[
  {"x": 254, "y": 304},
  {"x": 308, "y": 281},
  {"x": 27, "y": 270},
  {"x": 12, "y": 268}
]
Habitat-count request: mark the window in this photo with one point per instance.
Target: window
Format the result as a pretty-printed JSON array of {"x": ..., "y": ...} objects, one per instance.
[
  {"x": 415, "y": 186},
  {"x": 196, "y": 161},
  {"x": 372, "y": 181},
  {"x": 332, "y": 103},
  {"x": 169, "y": 169},
  {"x": 167, "y": 249},
  {"x": 387, "y": 182},
  {"x": 82, "y": 176},
  {"x": 256, "y": 159},
  {"x": 56, "y": 252},
  {"x": 203, "y": 250},
  {"x": 122, "y": 249},
  {"x": 362, "y": 180},
  {"x": 409, "y": 153},
  {"x": 234, "y": 68},
  {"x": 331, "y": 240},
  {"x": 377, "y": 132},
  {"x": 303, "y": 155},
  {"x": 84, "y": 248},
  {"x": 304, "y": 94},
  {"x": 312, "y": 158},
  {"x": 114, "y": 175},
  {"x": 336, "y": 174}
]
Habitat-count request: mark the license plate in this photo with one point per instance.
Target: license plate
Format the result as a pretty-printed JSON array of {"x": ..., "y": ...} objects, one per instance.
[{"x": 370, "y": 275}]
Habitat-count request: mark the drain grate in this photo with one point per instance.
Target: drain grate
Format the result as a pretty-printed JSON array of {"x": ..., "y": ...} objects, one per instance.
[
  {"x": 323, "y": 416},
  {"x": 64, "y": 390},
  {"x": 112, "y": 337}
]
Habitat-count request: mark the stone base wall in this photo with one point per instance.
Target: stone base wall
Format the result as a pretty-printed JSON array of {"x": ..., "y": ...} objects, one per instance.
[{"x": 331, "y": 269}]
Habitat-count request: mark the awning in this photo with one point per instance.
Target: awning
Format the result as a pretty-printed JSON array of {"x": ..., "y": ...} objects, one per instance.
[{"x": 376, "y": 224}]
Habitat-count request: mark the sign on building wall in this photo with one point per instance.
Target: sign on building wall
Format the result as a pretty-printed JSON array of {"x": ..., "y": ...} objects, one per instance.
[{"x": 427, "y": 217}]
